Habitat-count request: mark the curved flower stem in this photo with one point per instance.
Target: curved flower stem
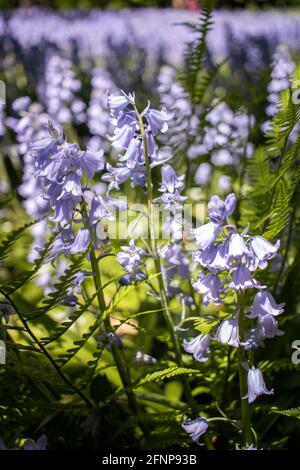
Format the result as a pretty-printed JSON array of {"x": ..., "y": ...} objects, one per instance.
[
  {"x": 163, "y": 296},
  {"x": 245, "y": 408}
]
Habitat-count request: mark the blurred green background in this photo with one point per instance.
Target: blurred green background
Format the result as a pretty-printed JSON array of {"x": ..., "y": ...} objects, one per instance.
[{"x": 63, "y": 4}]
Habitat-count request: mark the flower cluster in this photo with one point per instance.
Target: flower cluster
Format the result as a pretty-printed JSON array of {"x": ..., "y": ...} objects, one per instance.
[
  {"x": 128, "y": 137},
  {"x": 62, "y": 168},
  {"x": 231, "y": 258}
]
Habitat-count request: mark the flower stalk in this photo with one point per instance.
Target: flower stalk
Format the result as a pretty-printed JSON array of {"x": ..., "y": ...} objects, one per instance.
[{"x": 245, "y": 408}]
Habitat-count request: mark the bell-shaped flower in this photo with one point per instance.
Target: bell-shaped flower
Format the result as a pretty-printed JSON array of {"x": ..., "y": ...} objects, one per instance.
[
  {"x": 123, "y": 136},
  {"x": 116, "y": 176},
  {"x": 117, "y": 103},
  {"x": 228, "y": 333},
  {"x": 205, "y": 235},
  {"x": 268, "y": 326},
  {"x": 170, "y": 181},
  {"x": 195, "y": 428},
  {"x": 209, "y": 286},
  {"x": 218, "y": 210},
  {"x": 157, "y": 120},
  {"x": 92, "y": 162},
  {"x": 236, "y": 247},
  {"x": 263, "y": 249},
  {"x": 133, "y": 154},
  {"x": 99, "y": 210},
  {"x": 81, "y": 242},
  {"x": 256, "y": 385},
  {"x": 241, "y": 279},
  {"x": 198, "y": 346},
  {"x": 264, "y": 304}
]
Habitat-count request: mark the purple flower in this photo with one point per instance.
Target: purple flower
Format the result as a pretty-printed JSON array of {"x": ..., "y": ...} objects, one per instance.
[
  {"x": 268, "y": 326},
  {"x": 99, "y": 210},
  {"x": 81, "y": 242},
  {"x": 123, "y": 136},
  {"x": 236, "y": 247},
  {"x": 206, "y": 235},
  {"x": 92, "y": 162},
  {"x": 210, "y": 286},
  {"x": 228, "y": 333},
  {"x": 242, "y": 279},
  {"x": 264, "y": 304},
  {"x": 133, "y": 154},
  {"x": 198, "y": 346},
  {"x": 117, "y": 103},
  {"x": 116, "y": 176},
  {"x": 256, "y": 385},
  {"x": 170, "y": 181},
  {"x": 157, "y": 120},
  {"x": 263, "y": 249},
  {"x": 218, "y": 210},
  {"x": 40, "y": 444},
  {"x": 195, "y": 428}
]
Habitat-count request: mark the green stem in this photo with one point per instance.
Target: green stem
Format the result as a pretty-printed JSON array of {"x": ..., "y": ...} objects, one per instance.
[
  {"x": 168, "y": 318},
  {"x": 117, "y": 354},
  {"x": 245, "y": 408}
]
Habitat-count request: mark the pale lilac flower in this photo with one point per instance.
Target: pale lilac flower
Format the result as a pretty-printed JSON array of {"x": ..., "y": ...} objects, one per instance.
[
  {"x": 117, "y": 103},
  {"x": 256, "y": 385},
  {"x": 198, "y": 346},
  {"x": 210, "y": 286},
  {"x": 195, "y": 428},
  {"x": 40, "y": 444},
  {"x": 157, "y": 120},
  {"x": 228, "y": 333},
  {"x": 170, "y": 181},
  {"x": 205, "y": 235},
  {"x": 218, "y": 210},
  {"x": 263, "y": 249},
  {"x": 236, "y": 247},
  {"x": 268, "y": 326},
  {"x": 81, "y": 242},
  {"x": 264, "y": 304},
  {"x": 116, "y": 176},
  {"x": 242, "y": 279}
]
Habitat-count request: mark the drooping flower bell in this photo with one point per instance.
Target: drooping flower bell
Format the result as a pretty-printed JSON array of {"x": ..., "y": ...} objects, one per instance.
[
  {"x": 256, "y": 385},
  {"x": 195, "y": 428}
]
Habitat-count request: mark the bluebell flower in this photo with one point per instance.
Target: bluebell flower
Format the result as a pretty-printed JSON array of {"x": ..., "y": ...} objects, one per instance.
[
  {"x": 158, "y": 120},
  {"x": 198, "y": 346},
  {"x": 256, "y": 385},
  {"x": 130, "y": 258},
  {"x": 268, "y": 326},
  {"x": 81, "y": 242},
  {"x": 236, "y": 247},
  {"x": 117, "y": 103},
  {"x": 99, "y": 210},
  {"x": 116, "y": 176},
  {"x": 170, "y": 181},
  {"x": 108, "y": 340},
  {"x": 206, "y": 235},
  {"x": 92, "y": 162},
  {"x": 264, "y": 304},
  {"x": 195, "y": 428},
  {"x": 210, "y": 287},
  {"x": 133, "y": 154},
  {"x": 241, "y": 279},
  {"x": 40, "y": 444},
  {"x": 263, "y": 249},
  {"x": 218, "y": 210},
  {"x": 228, "y": 333}
]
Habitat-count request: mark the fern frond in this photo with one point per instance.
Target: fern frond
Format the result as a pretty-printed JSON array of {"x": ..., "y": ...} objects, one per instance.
[
  {"x": 168, "y": 373},
  {"x": 292, "y": 413}
]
